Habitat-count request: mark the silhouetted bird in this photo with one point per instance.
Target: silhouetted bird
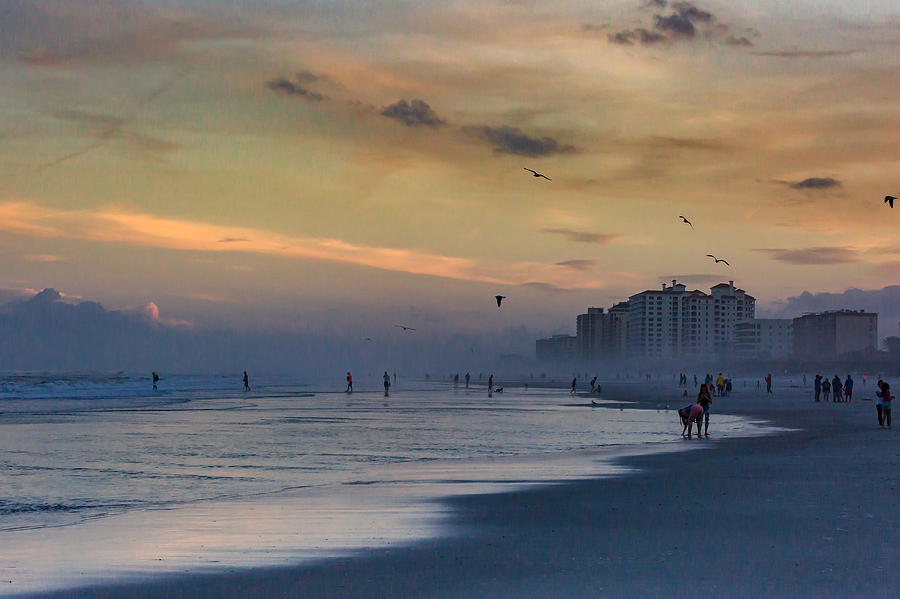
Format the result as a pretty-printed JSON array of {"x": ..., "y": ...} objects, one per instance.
[
  {"x": 499, "y": 299},
  {"x": 889, "y": 200},
  {"x": 367, "y": 339},
  {"x": 537, "y": 174},
  {"x": 686, "y": 221},
  {"x": 404, "y": 327},
  {"x": 717, "y": 259}
]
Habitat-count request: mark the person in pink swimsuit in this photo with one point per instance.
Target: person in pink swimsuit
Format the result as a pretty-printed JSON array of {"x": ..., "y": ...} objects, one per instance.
[{"x": 689, "y": 415}]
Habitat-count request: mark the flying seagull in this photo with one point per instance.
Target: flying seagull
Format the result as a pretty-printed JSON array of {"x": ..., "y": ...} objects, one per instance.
[
  {"x": 499, "y": 299},
  {"x": 537, "y": 174},
  {"x": 404, "y": 327},
  {"x": 889, "y": 200},
  {"x": 367, "y": 339},
  {"x": 686, "y": 221},
  {"x": 718, "y": 260}
]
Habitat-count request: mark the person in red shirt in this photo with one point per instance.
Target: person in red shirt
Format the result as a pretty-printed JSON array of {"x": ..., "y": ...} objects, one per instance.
[{"x": 349, "y": 382}]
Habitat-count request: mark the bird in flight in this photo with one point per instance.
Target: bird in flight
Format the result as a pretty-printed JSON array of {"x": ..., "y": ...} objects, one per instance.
[
  {"x": 686, "y": 221},
  {"x": 537, "y": 174},
  {"x": 405, "y": 328},
  {"x": 367, "y": 339},
  {"x": 499, "y": 299},
  {"x": 718, "y": 259},
  {"x": 889, "y": 200}
]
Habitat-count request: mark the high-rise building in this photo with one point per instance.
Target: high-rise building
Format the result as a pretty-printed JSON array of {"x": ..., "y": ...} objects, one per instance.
[
  {"x": 602, "y": 335},
  {"x": 730, "y": 305},
  {"x": 834, "y": 333},
  {"x": 674, "y": 322},
  {"x": 589, "y": 329},
  {"x": 615, "y": 337},
  {"x": 764, "y": 338}
]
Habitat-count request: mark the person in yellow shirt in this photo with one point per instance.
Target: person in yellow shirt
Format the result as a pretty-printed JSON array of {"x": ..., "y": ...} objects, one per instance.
[{"x": 720, "y": 384}]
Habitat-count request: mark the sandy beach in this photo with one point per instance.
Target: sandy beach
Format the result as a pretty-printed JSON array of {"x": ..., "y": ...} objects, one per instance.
[{"x": 807, "y": 513}]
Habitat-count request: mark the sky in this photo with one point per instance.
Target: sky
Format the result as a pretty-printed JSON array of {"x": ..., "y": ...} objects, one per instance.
[{"x": 334, "y": 168}]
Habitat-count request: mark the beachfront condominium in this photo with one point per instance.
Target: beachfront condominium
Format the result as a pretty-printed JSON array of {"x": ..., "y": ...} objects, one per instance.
[
  {"x": 602, "y": 335},
  {"x": 835, "y": 333},
  {"x": 589, "y": 333},
  {"x": 730, "y": 305},
  {"x": 676, "y": 323},
  {"x": 764, "y": 338}
]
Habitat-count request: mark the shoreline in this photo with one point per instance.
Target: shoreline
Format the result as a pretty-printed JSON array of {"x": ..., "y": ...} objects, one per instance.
[{"x": 764, "y": 526}]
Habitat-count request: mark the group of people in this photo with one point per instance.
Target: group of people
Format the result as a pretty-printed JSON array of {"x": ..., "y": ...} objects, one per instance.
[
  {"x": 697, "y": 413},
  {"x": 386, "y": 378},
  {"x": 722, "y": 387},
  {"x": 833, "y": 389}
]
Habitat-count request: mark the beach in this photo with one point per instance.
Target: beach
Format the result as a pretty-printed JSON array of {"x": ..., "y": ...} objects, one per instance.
[{"x": 805, "y": 513}]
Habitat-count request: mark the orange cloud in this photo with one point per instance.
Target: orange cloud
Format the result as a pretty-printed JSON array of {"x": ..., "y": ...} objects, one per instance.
[{"x": 112, "y": 225}]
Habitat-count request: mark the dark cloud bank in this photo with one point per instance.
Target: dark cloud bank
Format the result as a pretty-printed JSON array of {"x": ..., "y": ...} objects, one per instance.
[
  {"x": 680, "y": 21},
  {"x": 811, "y": 183},
  {"x": 48, "y": 333},
  {"x": 299, "y": 86},
  {"x": 512, "y": 140},
  {"x": 413, "y": 113},
  {"x": 884, "y": 301}
]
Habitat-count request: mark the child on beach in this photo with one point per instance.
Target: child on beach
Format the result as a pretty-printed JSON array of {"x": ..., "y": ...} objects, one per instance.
[
  {"x": 826, "y": 389},
  {"x": 704, "y": 399}
]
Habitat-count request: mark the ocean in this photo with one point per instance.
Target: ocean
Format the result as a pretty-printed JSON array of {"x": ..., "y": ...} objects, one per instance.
[{"x": 102, "y": 478}]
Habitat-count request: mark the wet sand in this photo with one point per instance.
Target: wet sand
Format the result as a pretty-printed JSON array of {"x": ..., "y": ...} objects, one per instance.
[{"x": 810, "y": 513}]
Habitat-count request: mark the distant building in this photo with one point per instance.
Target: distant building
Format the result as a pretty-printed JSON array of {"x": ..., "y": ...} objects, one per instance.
[
  {"x": 558, "y": 348},
  {"x": 602, "y": 335},
  {"x": 674, "y": 322},
  {"x": 589, "y": 328},
  {"x": 834, "y": 333},
  {"x": 764, "y": 338},
  {"x": 615, "y": 337}
]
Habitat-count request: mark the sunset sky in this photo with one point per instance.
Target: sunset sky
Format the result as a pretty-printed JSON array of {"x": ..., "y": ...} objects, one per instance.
[{"x": 329, "y": 166}]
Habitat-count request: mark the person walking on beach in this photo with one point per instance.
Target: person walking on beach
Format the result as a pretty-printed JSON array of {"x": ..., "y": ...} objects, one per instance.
[
  {"x": 155, "y": 379},
  {"x": 246, "y": 381},
  {"x": 817, "y": 386},
  {"x": 349, "y": 382},
  {"x": 456, "y": 380},
  {"x": 720, "y": 384},
  {"x": 848, "y": 389},
  {"x": 826, "y": 389},
  {"x": 769, "y": 383},
  {"x": 491, "y": 383},
  {"x": 387, "y": 383},
  {"x": 886, "y": 399},
  {"x": 467, "y": 380},
  {"x": 705, "y": 400},
  {"x": 593, "y": 383},
  {"x": 572, "y": 392},
  {"x": 879, "y": 403}
]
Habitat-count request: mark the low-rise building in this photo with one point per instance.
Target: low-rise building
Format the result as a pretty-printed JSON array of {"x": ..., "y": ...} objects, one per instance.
[
  {"x": 834, "y": 333},
  {"x": 764, "y": 338},
  {"x": 558, "y": 348}
]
